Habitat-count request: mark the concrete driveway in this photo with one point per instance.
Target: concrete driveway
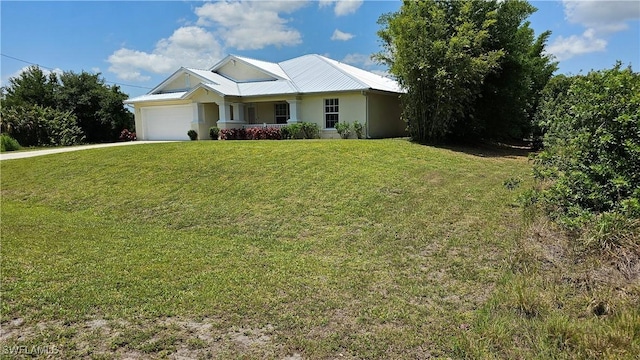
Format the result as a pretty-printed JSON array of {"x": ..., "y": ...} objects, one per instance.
[{"x": 27, "y": 154}]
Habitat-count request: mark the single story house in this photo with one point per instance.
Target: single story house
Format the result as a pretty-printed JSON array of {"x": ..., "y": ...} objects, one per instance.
[{"x": 241, "y": 92}]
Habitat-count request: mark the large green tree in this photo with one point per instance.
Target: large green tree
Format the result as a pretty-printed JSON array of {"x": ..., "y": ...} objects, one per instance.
[
  {"x": 98, "y": 107},
  {"x": 436, "y": 51},
  {"x": 31, "y": 87},
  {"x": 470, "y": 67},
  {"x": 510, "y": 97}
]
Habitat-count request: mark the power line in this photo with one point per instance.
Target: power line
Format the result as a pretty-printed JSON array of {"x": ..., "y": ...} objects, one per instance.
[{"x": 52, "y": 69}]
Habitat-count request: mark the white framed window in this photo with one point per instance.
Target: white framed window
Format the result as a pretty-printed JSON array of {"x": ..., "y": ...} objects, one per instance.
[
  {"x": 330, "y": 113},
  {"x": 282, "y": 113}
]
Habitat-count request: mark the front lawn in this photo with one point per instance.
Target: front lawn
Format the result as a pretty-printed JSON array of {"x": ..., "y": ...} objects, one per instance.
[{"x": 254, "y": 249}]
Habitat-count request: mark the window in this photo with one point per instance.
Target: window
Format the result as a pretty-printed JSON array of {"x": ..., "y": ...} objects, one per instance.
[
  {"x": 330, "y": 113},
  {"x": 282, "y": 113},
  {"x": 231, "y": 112}
]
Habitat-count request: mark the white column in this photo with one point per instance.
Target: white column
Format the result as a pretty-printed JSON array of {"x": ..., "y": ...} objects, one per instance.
[
  {"x": 238, "y": 109},
  {"x": 224, "y": 111},
  {"x": 294, "y": 111},
  {"x": 196, "y": 117}
]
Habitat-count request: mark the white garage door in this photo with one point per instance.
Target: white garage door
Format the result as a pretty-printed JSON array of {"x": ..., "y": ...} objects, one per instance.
[{"x": 167, "y": 122}]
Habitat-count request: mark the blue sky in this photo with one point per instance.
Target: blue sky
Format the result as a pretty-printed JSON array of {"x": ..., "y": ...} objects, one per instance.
[{"x": 138, "y": 44}]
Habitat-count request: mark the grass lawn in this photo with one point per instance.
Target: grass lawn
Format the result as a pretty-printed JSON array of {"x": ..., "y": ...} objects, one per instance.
[{"x": 261, "y": 249}]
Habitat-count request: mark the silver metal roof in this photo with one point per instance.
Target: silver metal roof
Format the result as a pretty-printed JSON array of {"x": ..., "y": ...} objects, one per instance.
[{"x": 305, "y": 74}]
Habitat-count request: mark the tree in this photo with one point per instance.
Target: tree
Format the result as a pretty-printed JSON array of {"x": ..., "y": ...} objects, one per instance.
[
  {"x": 470, "y": 67},
  {"x": 510, "y": 96},
  {"x": 98, "y": 107},
  {"x": 31, "y": 87},
  {"x": 436, "y": 51}
]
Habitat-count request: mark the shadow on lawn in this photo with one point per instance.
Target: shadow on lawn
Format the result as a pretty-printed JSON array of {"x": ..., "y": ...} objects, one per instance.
[{"x": 491, "y": 149}]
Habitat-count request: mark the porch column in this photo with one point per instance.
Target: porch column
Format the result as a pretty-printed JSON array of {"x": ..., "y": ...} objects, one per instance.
[
  {"x": 294, "y": 111},
  {"x": 197, "y": 118},
  {"x": 231, "y": 115},
  {"x": 238, "y": 112}
]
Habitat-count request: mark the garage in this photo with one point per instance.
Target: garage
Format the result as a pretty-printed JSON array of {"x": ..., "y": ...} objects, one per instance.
[{"x": 167, "y": 122}]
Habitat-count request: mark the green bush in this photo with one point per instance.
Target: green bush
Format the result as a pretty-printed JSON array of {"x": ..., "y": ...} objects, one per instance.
[
  {"x": 40, "y": 126},
  {"x": 214, "y": 132},
  {"x": 8, "y": 143},
  {"x": 344, "y": 129},
  {"x": 358, "y": 129},
  {"x": 193, "y": 135},
  {"x": 591, "y": 162},
  {"x": 311, "y": 130}
]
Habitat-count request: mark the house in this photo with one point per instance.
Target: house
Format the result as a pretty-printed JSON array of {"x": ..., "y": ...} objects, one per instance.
[{"x": 241, "y": 92}]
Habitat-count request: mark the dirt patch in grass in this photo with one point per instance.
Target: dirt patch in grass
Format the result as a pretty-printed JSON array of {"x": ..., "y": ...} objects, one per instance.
[{"x": 145, "y": 339}]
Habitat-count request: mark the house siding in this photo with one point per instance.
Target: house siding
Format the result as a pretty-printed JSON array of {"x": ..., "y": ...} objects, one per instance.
[
  {"x": 239, "y": 71},
  {"x": 385, "y": 116},
  {"x": 352, "y": 107},
  {"x": 180, "y": 83}
]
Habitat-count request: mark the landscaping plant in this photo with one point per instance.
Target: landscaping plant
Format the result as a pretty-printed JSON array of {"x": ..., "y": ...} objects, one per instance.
[
  {"x": 344, "y": 129},
  {"x": 193, "y": 135},
  {"x": 213, "y": 133}
]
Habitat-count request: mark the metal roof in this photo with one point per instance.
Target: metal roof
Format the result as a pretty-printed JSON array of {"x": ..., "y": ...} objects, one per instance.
[
  {"x": 156, "y": 97},
  {"x": 305, "y": 74}
]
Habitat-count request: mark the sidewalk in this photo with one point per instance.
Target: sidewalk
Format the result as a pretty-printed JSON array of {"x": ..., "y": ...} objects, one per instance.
[{"x": 11, "y": 155}]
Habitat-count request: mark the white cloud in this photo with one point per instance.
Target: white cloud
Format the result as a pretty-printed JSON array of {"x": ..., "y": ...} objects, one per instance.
[
  {"x": 189, "y": 46},
  {"x": 251, "y": 24},
  {"x": 238, "y": 24},
  {"x": 565, "y": 48},
  {"x": 342, "y": 7},
  {"x": 342, "y": 36},
  {"x": 360, "y": 60},
  {"x": 603, "y": 16},
  {"x": 601, "y": 19}
]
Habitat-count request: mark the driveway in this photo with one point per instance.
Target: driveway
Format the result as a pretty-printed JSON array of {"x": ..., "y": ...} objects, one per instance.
[{"x": 27, "y": 154}]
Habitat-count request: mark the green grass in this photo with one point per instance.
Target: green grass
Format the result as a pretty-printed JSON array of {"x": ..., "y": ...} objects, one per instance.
[{"x": 259, "y": 249}]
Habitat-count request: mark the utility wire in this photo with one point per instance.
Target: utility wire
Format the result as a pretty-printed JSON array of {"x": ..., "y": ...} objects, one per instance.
[{"x": 52, "y": 69}]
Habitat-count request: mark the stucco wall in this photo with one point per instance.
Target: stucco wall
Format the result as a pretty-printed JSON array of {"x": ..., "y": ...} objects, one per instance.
[
  {"x": 209, "y": 116},
  {"x": 351, "y": 107},
  {"x": 384, "y": 116},
  {"x": 240, "y": 71},
  {"x": 180, "y": 83}
]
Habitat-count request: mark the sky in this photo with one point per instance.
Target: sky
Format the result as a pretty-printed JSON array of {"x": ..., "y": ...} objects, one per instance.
[{"x": 138, "y": 44}]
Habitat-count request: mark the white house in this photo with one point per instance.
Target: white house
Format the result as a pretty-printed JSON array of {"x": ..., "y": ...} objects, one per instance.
[{"x": 241, "y": 92}]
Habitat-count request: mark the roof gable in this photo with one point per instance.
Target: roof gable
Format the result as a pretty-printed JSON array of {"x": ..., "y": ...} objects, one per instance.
[
  {"x": 242, "y": 69},
  {"x": 183, "y": 80}
]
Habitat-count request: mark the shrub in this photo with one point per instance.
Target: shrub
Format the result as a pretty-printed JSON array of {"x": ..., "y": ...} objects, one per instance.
[
  {"x": 7, "y": 143},
  {"x": 311, "y": 130},
  {"x": 40, "y": 126},
  {"x": 193, "y": 135},
  {"x": 255, "y": 133},
  {"x": 344, "y": 129},
  {"x": 293, "y": 131},
  {"x": 233, "y": 134},
  {"x": 126, "y": 135},
  {"x": 592, "y": 146},
  {"x": 213, "y": 133},
  {"x": 358, "y": 129}
]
